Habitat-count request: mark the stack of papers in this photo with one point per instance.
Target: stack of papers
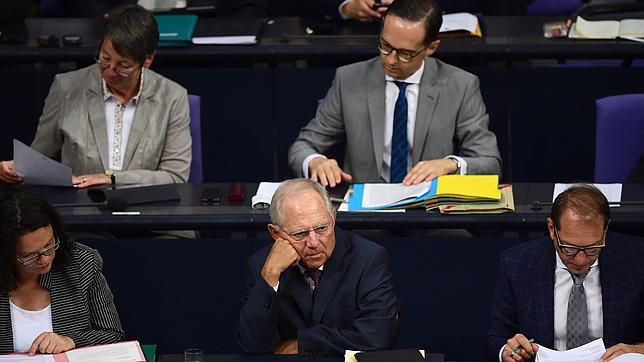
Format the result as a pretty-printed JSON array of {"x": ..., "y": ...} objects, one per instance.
[
  {"x": 460, "y": 24},
  {"x": 264, "y": 195},
  {"x": 124, "y": 352},
  {"x": 444, "y": 190},
  {"x": 505, "y": 204},
  {"x": 631, "y": 29}
]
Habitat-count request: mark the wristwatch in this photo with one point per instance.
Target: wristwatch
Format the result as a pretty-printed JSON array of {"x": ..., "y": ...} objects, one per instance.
[
  {"x": 458, "y": 165},
  {"x": 112, "y": 176}
]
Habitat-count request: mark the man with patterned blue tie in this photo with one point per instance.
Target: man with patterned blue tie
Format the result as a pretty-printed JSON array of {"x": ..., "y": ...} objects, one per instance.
[
  {"x": 406, "y": 117},
  {"x": 580, "y": 284}
]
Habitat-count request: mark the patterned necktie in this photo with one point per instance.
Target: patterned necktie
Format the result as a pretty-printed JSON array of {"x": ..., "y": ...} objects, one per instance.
[
  {"x": 577, "y": 319},
  {"x": 315, "y": 275},
  {"x": 399, "y": 137}
]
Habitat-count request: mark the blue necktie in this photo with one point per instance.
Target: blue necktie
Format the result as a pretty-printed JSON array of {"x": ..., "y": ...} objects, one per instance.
[{"x": 399, "y": 137}]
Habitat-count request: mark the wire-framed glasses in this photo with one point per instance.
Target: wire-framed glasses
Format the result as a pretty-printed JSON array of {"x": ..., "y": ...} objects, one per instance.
[
  {"x": 32, "y": 258},
  {"x": 572, "y": 250}
]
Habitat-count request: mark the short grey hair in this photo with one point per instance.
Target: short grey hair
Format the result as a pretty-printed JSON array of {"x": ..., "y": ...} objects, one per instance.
[{"x": 293, "y": 186}]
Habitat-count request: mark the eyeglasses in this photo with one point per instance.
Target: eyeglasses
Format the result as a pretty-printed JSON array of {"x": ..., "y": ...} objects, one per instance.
[
  {"x": 319, "y": 230},
  {"x": 572, "y": 250},
  {"x": 28, "y": 260},
  {"x": 404, "y": 56},
  {"x": 119, "y": 67}
]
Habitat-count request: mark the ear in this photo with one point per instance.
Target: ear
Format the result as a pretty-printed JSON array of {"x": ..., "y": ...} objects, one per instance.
[
  {"x": 273, "y": 230},
  {"x": 551, "y": 228},
  {"x": 432, "y": 48},
  {"x": 148, "y": 60}
]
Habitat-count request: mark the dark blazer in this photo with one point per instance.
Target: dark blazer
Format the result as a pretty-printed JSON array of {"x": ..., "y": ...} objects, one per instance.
[
  {"x": 355, "y": 306},
  {"x": 82, "y": 305},
  {"x": 524, "y": 295}
]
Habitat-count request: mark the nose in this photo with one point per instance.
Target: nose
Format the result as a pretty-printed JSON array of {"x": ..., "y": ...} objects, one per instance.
[
  {"x": 581, "y": 257},
  {"x": 392, "y": 58},
  {"x": 312, "y": 242}
]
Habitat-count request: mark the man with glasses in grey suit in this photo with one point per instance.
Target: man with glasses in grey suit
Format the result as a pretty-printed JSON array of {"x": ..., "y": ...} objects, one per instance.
[{"x": 438, "y": 126}]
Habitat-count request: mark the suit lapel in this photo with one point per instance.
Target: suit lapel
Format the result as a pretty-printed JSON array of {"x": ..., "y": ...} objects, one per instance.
[
  {"x": 299, "y": 290},
  {"x": 334, "y": 270},
  {"x": 6, "y": 332},
  {"x": 428, "y": 93},
  {"x": 376, "y": 101},
  {"x": 144, "y": 108},
  {"x": 96, "y": 114},
  {"x": 544, "y": 304},
  {"x": 609, "y": 268}
]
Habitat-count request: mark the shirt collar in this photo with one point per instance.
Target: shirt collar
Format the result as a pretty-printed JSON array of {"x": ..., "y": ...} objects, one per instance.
[
  {"x": 303, "y": 269},
  {"x": 412, "y": 79},
  {"x": 107, "y": 94}
]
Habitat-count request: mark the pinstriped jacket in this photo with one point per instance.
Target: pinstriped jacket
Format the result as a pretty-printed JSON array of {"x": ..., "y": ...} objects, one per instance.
[{"x": 82, "y": 305}]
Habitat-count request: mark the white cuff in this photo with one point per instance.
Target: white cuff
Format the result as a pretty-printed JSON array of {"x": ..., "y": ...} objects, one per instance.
[
  {"x": 500, "y": 352},
  {"x": 344, "y": 17},
  {"x": 305, "y": 164},
  {"x": 462, "y": 161},
  {"x": 276, "y": 286}
]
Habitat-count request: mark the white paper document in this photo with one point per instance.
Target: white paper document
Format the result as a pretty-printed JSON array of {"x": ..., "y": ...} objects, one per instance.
[
  {"x": 459, "y": 21},
  {"x": 26, "y": 358},
  {"x": 124, "y": 352},
  {"x": 381, "y": 195},
  {"x": 589, "y": 352},
  {"x": 226, "y": 40},
  {"x": 629, "y": 357},
  {"x": 38, "y": 169},
  {"x": 264, "y": 194},
  {"x": 613, "y": 192}
]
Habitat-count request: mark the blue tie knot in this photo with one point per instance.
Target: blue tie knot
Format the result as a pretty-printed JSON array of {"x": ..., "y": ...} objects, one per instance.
[{"x": 401, "y": 85}]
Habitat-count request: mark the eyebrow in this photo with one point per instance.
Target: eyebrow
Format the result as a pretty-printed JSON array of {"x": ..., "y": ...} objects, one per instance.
[{"x": 397, "y": 50}]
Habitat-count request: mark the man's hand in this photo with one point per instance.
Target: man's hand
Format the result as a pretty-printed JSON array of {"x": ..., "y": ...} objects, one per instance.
[
  {"x": 524, "y": 353},
  {"x": 86, "y": 181},
  {"x": 50, "y": 342},
  {"x": 363, "y": 10},
  {"x": 288, "y": 346},
  {"x": 620, "y": 349},
  {"x": 327, "y": 172},
  {"x": 7, "y": 174},
  {"x": 429, "y": 170},
  {"x": 281, "y": 257}
]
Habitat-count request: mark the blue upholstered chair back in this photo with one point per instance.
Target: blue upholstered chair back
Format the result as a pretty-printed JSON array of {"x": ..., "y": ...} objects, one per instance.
[
  {"x": 619, "y": 141},
  {"x": 196, "y": 169}
]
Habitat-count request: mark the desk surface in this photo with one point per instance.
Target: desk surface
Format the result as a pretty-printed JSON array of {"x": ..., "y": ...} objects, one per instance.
[
  {"x": 506, "y": 38},
  {"x": 190, "y": 214},
  {"x": 432, "y": 357}
]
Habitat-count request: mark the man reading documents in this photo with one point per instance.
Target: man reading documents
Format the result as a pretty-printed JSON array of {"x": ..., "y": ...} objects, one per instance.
[
  {"x": 579, "y": 284},
  {"x": 406, "y": 117}
]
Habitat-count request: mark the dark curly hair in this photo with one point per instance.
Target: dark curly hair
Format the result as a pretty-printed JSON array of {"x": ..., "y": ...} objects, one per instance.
[{"x": 22, "y": 213}]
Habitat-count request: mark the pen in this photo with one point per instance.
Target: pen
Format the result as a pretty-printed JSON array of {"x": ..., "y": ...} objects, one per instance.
[
  {"x": 337, "y": 199},
  {"x": 518, "y": 347}
]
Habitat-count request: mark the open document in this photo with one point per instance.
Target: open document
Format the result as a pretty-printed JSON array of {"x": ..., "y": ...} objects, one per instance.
[
  {"x": 589, "y": 352},
  {"x": 38, "y": 169},
  {"x": 116, "y": 352}
]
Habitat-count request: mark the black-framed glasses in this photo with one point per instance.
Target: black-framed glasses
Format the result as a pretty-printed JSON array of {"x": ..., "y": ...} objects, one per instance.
[
  {"x": 319, "y": 230},
  {"x": 404, "y": 56},
  {"x": 32, "y": 258},
  {"x": 119, "y": 68},
  {"x": 572, "y": 250}
]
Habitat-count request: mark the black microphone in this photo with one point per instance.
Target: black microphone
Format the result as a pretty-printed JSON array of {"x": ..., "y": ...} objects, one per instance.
[{"x": 111, "y": 204}]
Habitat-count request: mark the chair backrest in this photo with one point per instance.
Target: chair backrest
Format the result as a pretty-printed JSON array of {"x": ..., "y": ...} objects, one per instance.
[
  {"x": 553, "y": 7},
  {"x": 196, "y": 168},
  {"x": 619, "y": 141}
]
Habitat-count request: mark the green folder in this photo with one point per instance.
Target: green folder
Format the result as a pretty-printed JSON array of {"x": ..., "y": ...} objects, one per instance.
[
  {"x": 176, "y": 30},
  {"x": 149, "y": 351}
]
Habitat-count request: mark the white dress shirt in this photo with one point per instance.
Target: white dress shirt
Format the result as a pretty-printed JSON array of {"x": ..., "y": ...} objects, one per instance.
[
  {"x": 391, "y": 95},
  {"x": 114, "y": 109},
  {"x": 563, "y": 286},
  {"x": 28, "y": 324},
  {"x": 593, "y": 289}
]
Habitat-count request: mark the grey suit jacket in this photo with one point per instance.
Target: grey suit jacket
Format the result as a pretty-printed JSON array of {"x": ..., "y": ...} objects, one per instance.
[
  {"x": 73, "y": 128},
  {"x": 450, "y": 120}
]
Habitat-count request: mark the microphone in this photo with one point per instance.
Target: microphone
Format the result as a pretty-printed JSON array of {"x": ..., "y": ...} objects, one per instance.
[{"x": 111, "y": 204}]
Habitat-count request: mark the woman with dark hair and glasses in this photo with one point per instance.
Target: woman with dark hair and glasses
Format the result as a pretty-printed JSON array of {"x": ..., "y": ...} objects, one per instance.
[{"x": 53, "y": 295}]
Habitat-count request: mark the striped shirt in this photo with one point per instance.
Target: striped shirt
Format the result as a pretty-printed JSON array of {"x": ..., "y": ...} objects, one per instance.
[{"x": 82, "y": 305}]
